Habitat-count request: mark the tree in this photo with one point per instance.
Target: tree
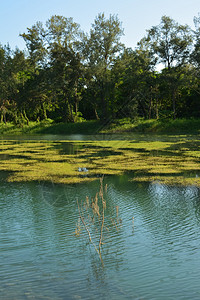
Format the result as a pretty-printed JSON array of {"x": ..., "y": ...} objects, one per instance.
[
  {"x": 67, "y": 73},
  {"x": 135, "y": 83},
  {"x": 54, "y": 51},
  {"x": 36, "y": 44},
  {"x": 66, "y": 70},
  {"x": 101, "y": 49},
  {"x": 196, "y": 52},
  {"x": 171, "y": 42},
  {"x": 11, "y": 64}
]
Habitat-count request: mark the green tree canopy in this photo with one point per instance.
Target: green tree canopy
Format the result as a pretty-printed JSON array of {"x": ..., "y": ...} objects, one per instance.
[{"x": 170, "y": 41}]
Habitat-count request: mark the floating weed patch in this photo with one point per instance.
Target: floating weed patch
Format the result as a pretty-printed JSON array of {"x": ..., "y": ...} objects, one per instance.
[
  {"x": 174, "y": 162},
  {"x": 170, "y": 180}
]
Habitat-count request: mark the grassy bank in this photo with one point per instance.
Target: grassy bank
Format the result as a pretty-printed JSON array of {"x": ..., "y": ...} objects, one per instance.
[
  {"x": 49, "y": 127},
  {"x": 167, "y": 126}
]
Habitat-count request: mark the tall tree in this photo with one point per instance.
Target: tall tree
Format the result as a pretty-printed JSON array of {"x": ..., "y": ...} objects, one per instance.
[
  {"x": 11, "y": 63},
  {"x": 196, "y": 52},
  {"x": 64, "y": 37},
  {"x": 54, "y": 49},
  {"x": 36, "y": 43},
  {"x": 101, "y": 49},
  {"x": 170, "y": 42},
  {"x": 195, "y": 60},
  {"x": 135, "y": 83}
]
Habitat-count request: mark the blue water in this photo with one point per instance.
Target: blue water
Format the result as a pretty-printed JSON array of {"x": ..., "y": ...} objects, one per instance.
[{"x": 157, "y": 257}]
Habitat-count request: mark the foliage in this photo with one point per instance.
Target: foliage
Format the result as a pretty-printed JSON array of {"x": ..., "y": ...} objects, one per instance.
[
  {"x": 71, "y": 76},
  {"x": 172, "y": 160}
]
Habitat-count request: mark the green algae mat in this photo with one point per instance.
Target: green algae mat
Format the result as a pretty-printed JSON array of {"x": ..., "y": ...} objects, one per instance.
[{"x": 173, "y": 162}]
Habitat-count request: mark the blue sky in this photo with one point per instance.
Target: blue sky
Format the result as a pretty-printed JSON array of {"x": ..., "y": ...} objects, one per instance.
[{"x": 136, "y": 15}]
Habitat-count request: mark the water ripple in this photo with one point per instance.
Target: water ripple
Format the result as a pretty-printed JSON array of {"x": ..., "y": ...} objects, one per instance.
[{"x": 153, "y": 256}]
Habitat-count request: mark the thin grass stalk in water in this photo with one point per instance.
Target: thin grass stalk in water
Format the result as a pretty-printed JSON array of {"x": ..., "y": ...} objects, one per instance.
[
  {"x": 87, "y": 230},
  {"x": 90, "y": 209}
]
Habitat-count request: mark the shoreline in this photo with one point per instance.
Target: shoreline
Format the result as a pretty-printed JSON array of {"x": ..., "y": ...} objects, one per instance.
[{"x": 118, "y": 126}]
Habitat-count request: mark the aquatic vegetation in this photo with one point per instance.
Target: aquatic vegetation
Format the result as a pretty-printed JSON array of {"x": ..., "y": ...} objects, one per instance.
[
  {"x": 93, "y": 218},
  {"x": 175, "y": 161}
]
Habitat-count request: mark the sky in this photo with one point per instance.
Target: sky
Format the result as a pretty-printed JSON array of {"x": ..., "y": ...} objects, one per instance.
[{"x": 136, "y": 16}]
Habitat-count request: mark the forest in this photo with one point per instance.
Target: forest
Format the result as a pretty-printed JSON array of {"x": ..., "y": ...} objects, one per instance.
[{"x": 67, "y": 75}]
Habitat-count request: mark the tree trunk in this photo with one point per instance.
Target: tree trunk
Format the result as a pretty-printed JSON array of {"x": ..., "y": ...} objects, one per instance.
[
  {"x": 103, "y": 101},
  {"x": 15, "y": 118},
  {"x": 4, "y": 117},
  {"x": 96, "y": 114},
  {"x": 25, "y": 117},
  {"x": 44, "y": 111},
  {"x": 157, "y": 114},
  {"x": 71, "y": 113},
  {"x": 150, "y": 107},
  {"x": 76, "y": 101},
  {"x": 104, "y": 107},
  {"x": 174, "y": 104}
]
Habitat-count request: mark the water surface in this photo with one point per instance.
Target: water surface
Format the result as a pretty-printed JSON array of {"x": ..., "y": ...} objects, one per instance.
[{"x": 157, "y": 258}]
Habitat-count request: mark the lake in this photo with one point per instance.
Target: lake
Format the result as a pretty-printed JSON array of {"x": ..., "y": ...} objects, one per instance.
[{"x": 155, "y": 257}]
